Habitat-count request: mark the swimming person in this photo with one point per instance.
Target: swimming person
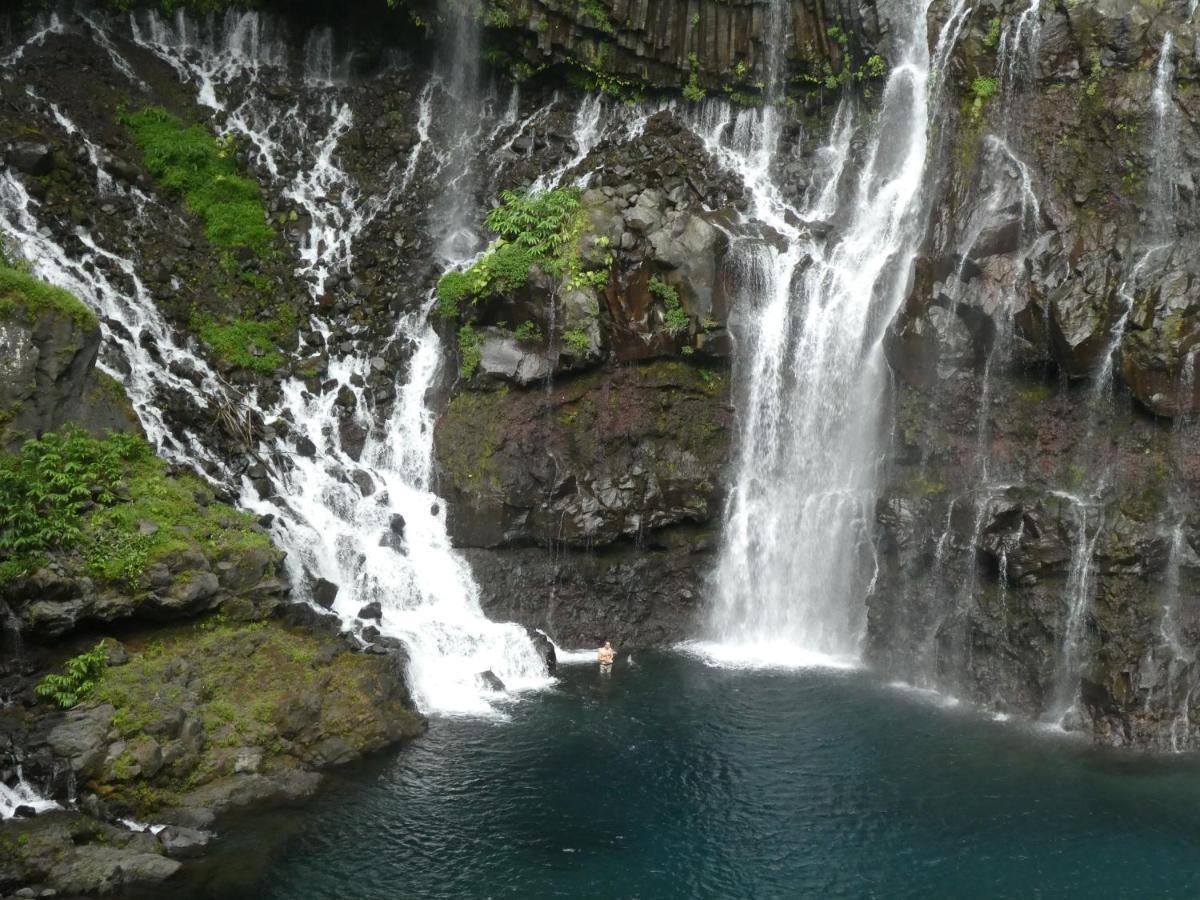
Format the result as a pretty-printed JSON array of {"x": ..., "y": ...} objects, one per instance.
[{"x": 606, "y": 655}]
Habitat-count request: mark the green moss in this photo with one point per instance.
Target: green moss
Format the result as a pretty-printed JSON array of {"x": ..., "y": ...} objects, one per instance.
[
  {"x": 117, "y": 550},
  {"x": 992, "y": 39},
  {"x": 201, "y": 168},
  {"x": 22, "y": 294},
  {"x": 236, "y": 678},
  {"x": 1037, "y": 394},
  {"x": 468, "y": 436},
  {"x": 923, "y": 486}
]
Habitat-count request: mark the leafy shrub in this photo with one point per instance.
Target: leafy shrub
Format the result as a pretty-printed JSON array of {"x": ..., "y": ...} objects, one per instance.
[
  {"x": 985, "y": 87},
  {"x": 79, "y": 678},
  {"x": 45, "y": 489},
  {"x": 541, "y": 229},
  {"x": 992, "y": 38},
  {"x": 545, "y": 224},
  {"x": 528, "y": 331},
  {"x": 675, "y": 318},
  {"x": 595, "y": 10},
  {"x": 203, "y": 170},
  {"x": 578, "y": 341},
  {"x": 61, "y": 493}
]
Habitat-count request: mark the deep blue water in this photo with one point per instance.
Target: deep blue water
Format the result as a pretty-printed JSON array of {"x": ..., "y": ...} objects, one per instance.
[{"x": 673, "y": 779}]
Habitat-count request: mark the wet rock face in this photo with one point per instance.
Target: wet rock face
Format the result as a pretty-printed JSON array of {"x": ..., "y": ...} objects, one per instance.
[
  {"x": 661, "y": 42},
  {"x": 1036, "y": 536},
  {"x": 47, "y": 378},
  {"x": 608, "y": 457}
]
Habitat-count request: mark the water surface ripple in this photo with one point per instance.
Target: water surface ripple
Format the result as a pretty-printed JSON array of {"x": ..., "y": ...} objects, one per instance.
[{"x": 675, "y": 779}]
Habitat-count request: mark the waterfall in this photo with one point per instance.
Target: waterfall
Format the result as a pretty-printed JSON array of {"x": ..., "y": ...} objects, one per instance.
[
  {"x": 371, "y": 525},
  {"x": 797, "y": 557},
  {"x": 22, "y": 793},
  {"x": 1165, "y": 155}
]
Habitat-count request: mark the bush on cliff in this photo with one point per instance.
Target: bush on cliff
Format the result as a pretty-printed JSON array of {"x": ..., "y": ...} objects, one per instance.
[
  {"x": 540, "y": 228},
  {"x": 110, "y": 502}
]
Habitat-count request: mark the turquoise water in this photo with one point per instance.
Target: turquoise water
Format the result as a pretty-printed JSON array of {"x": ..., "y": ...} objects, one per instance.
[{"x": 673, "y": 779}]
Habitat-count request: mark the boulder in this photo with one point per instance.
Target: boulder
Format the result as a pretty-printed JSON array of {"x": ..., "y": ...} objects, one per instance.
[
  {"x": 30, "y": 157},
  {"x": 545, "y": 649},
  {"x": 324, "y": 592},
  {"x": 490, "y": 681},
  {"x": 81, "y": 738},
  {"x": 180, "y": 842},
  {"x": 503, "y": 356},
  {"x": 373, "y": 610}
]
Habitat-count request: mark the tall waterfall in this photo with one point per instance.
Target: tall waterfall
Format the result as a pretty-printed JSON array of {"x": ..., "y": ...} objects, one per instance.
[
  {"x": 373, "y": 526},
  {"x": 797, "y": 559}
]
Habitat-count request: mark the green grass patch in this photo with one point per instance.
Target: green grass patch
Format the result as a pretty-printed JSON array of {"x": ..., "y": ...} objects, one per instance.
[
  {"x": 22, "y": 294},
  {"x": 202, "y": 169},
  {"x": 245, "y": 343}
]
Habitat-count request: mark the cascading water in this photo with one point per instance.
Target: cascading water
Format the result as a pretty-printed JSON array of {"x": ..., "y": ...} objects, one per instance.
[
  {"x": 1088, "y": 509},
  {"x": 371, "y": 525},
  {"x": 22, "y": 794},
  {"x": 1165, "y": 159},
  {"x": 797, "y": 555},
  {"x": 426, "y": 591}
]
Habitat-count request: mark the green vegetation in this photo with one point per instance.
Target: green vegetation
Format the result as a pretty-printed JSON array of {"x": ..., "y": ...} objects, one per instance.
[
  {"x": 496, "y": 17},
  {"x": 45, "y": 489},
  {"x": 595, "y": 10},
  {"x": 692, "y": 90},
  {"x": 983, "y": 89},
  {"x": 21, "y": 293},
  {"x": 470, "y": 351},
  {"x": 541, "y": 229},
  {"x": 578, "y": 341},
  {"x": 675, "y": 318},
  {"x": 992, "y": 39},
  {"x": 203, "y": 170},
  {"x": 79, "y": 678},
  {"x": 528, "y": 331},
  {"x": 244, "y": 342},
  {"x": 1095, "y": 71},
  {"x": 111, "y": 498},
  {"x": 204, "y": 669}
]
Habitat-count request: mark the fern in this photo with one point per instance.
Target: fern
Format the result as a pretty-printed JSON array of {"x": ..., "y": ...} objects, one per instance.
[{"x": 79, "y": 678}]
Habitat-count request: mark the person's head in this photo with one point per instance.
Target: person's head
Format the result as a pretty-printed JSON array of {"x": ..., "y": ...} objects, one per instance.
[{"x": 608, "y": 644}]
